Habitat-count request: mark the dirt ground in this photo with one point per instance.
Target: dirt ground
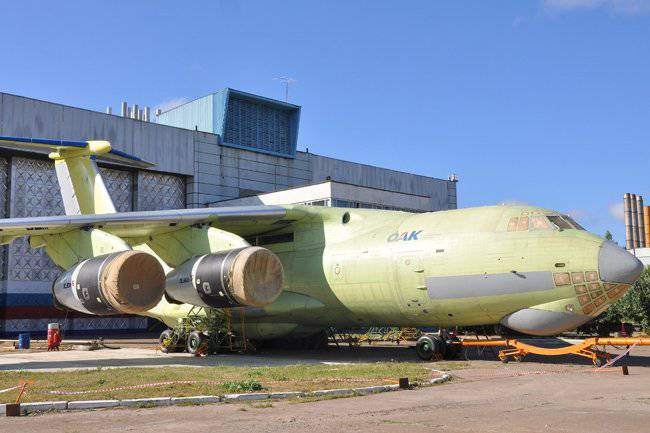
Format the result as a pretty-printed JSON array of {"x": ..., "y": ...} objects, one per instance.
[{"x": 551, "y": 394}]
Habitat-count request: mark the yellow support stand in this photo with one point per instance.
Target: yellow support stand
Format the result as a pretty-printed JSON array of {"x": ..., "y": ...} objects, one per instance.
[{"x": 516, "y": 349}]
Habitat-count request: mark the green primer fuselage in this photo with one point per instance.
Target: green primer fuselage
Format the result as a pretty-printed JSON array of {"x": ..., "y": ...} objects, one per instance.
[{"x": 373, "y": 270}]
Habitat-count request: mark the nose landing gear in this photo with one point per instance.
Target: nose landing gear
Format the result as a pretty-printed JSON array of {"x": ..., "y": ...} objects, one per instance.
[{"x": 435, "y": 347}]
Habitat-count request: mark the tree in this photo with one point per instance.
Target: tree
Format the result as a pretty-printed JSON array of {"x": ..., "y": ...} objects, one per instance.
[
  {"x": 608, "y": 236},
  {"x": 634, "y": 306}
]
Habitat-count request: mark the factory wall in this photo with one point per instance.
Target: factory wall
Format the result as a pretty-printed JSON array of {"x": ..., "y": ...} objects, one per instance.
[{"x": 171, "y": 149}]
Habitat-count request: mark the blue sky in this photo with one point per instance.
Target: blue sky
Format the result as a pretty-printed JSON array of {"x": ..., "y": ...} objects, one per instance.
[{"x": 545, "y": 102}]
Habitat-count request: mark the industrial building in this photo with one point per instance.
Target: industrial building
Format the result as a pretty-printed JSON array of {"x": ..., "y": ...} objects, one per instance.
[{"x": 226, "y": 148}]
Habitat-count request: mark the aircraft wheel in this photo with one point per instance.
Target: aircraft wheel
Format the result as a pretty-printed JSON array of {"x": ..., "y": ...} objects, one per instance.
[
  {"x": 598, "y": 362},
  {"x": 517, "y": 358},
  {"x": 452, "y": 349},
  {"x": 427, "y": 346},
  {"x": 505, "y": 359},
  {"x": 195, "y": 341},
  {"x": 165, "y": 341}
]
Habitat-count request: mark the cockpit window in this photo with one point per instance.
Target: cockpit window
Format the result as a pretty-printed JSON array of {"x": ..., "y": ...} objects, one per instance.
[
  {"x": 573, "y": 222},
  {"x": 564, "y": 222},
  {"x": 559, "y": 222},
  {"x": 542, "y": 222},
  {"x": 539, "y": 223},
  {"x": 523, "y": 224}
]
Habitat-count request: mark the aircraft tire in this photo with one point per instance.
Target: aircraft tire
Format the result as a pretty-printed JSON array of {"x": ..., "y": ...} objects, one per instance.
[
  {"x": 166, "y": 334},
  {"x": 195, "y": 342},
  {"x": 427, "y": 346}
]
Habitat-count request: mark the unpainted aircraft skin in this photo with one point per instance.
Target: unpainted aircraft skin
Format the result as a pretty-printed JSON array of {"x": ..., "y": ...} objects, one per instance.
[
  {"x": 451, "y": 268},
  {"x": 528, "y": 268}
]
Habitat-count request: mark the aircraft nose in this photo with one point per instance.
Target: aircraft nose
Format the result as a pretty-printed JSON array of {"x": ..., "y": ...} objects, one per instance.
[{"x": 616, "y": 265}]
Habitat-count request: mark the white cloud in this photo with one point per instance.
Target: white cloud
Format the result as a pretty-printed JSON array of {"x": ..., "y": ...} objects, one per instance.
[
  {"x": 170, "y": 103},
  {"x": 616, "y": 210},
  {"x": 619, "y": 6}
]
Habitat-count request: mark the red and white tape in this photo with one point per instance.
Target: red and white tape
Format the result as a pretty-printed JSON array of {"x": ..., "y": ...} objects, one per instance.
[{"x": 9, "y": 389}]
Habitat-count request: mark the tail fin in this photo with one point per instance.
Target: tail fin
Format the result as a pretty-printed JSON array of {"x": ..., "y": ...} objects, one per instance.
[{"x": 82, "y": 187}]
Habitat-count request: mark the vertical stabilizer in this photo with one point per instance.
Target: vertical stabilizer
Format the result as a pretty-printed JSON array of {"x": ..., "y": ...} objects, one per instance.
[{"x": 82, "y": 186}]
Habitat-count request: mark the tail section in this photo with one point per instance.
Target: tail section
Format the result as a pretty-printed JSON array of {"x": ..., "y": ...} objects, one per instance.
[{"x": 82, "y": 186}]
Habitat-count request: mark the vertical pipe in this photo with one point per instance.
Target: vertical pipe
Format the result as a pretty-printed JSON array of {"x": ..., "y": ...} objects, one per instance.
[
  {"x": 627, "y": 213},
  {"x": 135, "y": 111},
  {"x": 109, "y": 110},
  {"x": 641, "y": 226},
  {"x": 125, "y": 109},
  {"x": 140, "y": 114},
  {"x": 635, "y": 222},
  {"x": 147, "y": 113},
  {"x": 646, "y": 222}
]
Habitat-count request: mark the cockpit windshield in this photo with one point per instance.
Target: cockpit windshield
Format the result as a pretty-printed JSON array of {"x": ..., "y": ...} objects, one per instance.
[
  {"x": 564, "y": 222},
  {"x": 542, "y": 222}
]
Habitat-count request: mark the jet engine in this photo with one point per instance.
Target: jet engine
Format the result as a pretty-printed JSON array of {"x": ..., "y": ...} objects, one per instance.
[
  {"x": 125, "y": 282},
  {"x": 250, "y": 276}
]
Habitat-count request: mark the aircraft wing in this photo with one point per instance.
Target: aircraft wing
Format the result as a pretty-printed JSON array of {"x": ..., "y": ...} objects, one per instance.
[{"x": 241, "y": 220}]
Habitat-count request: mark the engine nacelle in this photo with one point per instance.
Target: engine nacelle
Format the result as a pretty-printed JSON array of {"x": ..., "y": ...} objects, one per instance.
[
  {"x": 125, "y": 282},
  {"x": 250, "y": 276}
]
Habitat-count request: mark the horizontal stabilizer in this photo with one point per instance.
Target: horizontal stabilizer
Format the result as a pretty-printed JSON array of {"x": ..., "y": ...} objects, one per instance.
[{"x": 69, "y": 149}]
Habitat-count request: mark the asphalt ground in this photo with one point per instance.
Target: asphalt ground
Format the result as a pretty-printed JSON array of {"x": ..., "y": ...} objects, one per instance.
[{"x": 560, "y": 394}]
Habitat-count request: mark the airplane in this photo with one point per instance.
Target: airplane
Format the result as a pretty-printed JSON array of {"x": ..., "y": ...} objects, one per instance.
[{"x": 290, "y": 272}]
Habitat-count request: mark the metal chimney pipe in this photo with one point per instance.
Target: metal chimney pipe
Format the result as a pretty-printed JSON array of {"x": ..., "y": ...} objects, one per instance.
[
  {"x": 140, "y": 114},
  {"x": 635, "y": 222},
  {"x": 135, "y": 111},
  {"x": 147, "y": 113},
  {"x": 627, "y": 213},
  {"x": 646, "y": 223},
  {"x": 125, "y": 109},
  {"x": 158, "y": 112},
  {"x": 109, "y": 110},
  {"x": 641, "y": 227}
]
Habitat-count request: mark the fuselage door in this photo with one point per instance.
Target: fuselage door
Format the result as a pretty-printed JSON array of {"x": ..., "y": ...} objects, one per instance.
[{"x": 410, "y": 284}]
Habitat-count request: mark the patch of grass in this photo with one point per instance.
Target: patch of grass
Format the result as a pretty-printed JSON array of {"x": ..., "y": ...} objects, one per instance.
[
  {"x": 226, "y": 379},
  {"x": 243, "y": 386}
]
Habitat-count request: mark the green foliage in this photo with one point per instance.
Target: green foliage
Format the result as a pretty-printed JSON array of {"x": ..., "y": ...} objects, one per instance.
[
  {"x": 242, "y": 386},
  {"x": 608, "y": 236},
  {"x": 633, "y": 307}
]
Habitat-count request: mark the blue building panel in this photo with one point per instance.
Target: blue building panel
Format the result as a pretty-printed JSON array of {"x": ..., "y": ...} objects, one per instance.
[
  {"x": 196, "y": 114},
  {"x": 242, "y": 120}
]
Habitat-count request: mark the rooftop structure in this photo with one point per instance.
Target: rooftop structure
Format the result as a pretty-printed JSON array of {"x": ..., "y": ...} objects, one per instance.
[{"x": 242, "y": 120}]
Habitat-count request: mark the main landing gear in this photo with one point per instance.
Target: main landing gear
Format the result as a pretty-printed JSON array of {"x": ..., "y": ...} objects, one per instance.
[
  {"x": 202, "y": 332},
  {"x": 437, "y": 346}
]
